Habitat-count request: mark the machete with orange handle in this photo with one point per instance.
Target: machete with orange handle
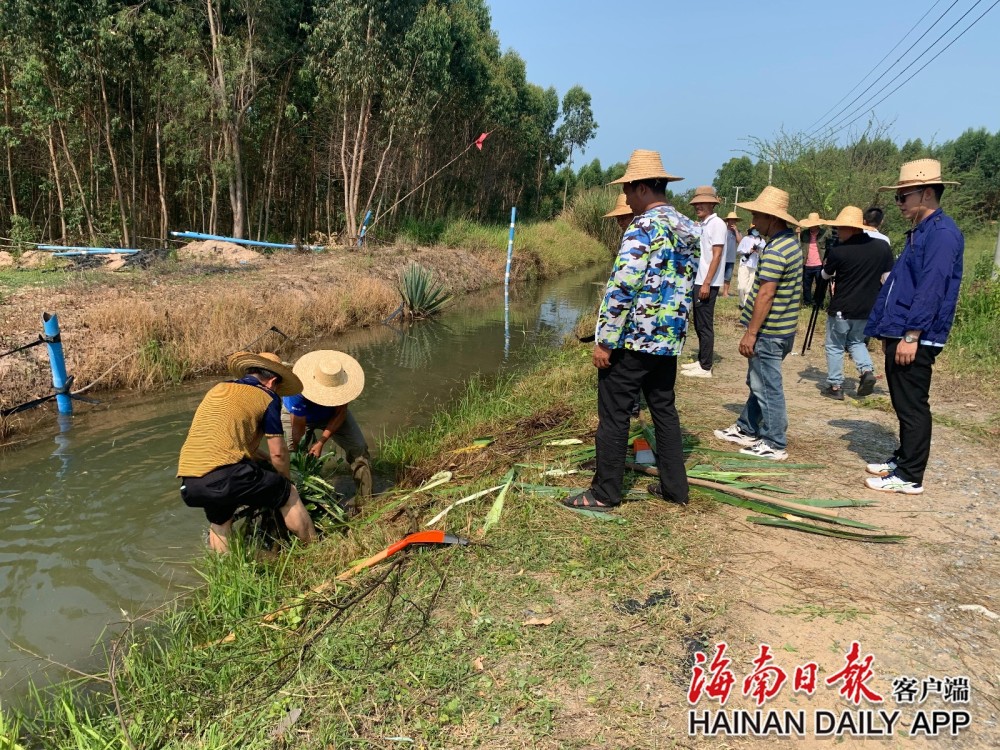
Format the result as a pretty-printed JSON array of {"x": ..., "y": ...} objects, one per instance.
[{"x": 421, "y": 537}]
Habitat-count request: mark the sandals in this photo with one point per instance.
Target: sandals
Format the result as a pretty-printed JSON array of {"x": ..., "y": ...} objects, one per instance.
[{"x": 587, "y": 501}]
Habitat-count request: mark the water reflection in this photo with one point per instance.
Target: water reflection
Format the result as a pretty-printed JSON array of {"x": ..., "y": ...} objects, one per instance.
[{"x": 94, "y": 526}]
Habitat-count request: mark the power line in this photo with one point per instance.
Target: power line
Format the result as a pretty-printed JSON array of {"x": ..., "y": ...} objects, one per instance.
[
  {"x": 886, "y": 71},
  {"x": 907, "y": 80},
  {"x": 875, "y": 66}
]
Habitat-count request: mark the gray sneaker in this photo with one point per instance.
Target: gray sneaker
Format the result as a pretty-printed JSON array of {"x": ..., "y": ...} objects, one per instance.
[{"x": 833, "y": 391}]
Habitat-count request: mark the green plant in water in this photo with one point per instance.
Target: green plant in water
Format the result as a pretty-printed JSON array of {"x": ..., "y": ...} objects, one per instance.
[{"x": 422, "y": 297}]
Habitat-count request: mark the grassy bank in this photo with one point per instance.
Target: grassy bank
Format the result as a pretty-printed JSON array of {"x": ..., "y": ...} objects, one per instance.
[
  {"x": 147, "y": 328},
  {"x": 974, "y": 344},
  {"x": 519, "y": 641}
]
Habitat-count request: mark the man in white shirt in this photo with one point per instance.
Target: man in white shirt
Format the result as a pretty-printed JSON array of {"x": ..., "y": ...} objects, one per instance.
[
  {"x": 873, "y": 220},
  {"x": 748, "y": 252},
  {"x": 709, "y": 279}
]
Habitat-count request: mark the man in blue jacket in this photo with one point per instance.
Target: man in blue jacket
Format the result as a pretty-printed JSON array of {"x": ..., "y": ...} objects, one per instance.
[{"x": 912, "y": 316}]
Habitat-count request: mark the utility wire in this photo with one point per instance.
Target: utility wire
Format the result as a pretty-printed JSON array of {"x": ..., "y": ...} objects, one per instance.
[
  {"x": 907, "y": 80},
  {"x": 874, "y": 67},
  {"x": 885, "y": 72}
]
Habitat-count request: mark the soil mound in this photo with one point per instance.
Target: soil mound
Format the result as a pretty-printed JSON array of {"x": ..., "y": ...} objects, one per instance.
[
  {"x": 6, "y": 259},
  {"x": 39, "y": 259},
  {"x": 219, "y": 253}
]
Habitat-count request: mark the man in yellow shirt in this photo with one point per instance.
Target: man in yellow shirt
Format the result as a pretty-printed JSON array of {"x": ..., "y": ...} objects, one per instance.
[{"x": 218, "y": 468}]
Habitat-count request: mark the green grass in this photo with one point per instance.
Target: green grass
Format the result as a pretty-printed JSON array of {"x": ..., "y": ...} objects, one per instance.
[{"x": 974, "y": 343}]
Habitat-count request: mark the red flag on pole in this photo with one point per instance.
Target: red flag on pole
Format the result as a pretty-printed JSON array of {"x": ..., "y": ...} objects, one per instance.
[{"x": 480, "y": 139}]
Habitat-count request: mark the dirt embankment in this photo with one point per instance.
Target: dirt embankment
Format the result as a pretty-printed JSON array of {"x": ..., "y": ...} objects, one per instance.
[{"x": 144, "y": 328}]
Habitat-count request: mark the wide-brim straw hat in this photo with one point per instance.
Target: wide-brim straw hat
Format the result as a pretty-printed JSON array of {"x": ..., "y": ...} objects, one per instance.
[
  {"x": 645, "y": 165},
  {"x": 812, "y": 220},
  {"x": 850, "y": 216},
  {"x": 771, "y": 201},
  {"x": 919, "y": 172},
  {"x": 621, "y": 208},
  {"x": 732, "y": 216},
  {"x": 240, "y": 362},
  {"x": 330, "y": 378},
  {"x": 704, "y": 194}
]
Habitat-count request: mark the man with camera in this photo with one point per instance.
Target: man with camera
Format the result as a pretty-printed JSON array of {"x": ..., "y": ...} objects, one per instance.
[{"x": 858, "y": 265}]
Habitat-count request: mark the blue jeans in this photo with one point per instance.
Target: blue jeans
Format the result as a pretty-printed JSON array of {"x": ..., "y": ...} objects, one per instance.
[
  {"x": 845, "y": 335},
  {"x": 764, "y": 414}
]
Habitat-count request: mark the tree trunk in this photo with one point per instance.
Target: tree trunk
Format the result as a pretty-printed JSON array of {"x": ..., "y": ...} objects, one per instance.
[
  {"x": 58, "y": 183},
  {"x": 119, "y": 195},
  {"x": 10, "y": 159},
  {"x": 161, "y": 182}
]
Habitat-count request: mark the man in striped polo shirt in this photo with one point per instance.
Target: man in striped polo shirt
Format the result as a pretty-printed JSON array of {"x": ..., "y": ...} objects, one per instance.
[
  {"x": 771, "y": 315},
  {"x": 218, "y": 465}
]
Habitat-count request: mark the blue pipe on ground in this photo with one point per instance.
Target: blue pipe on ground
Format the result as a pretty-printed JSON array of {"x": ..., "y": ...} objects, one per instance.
[{"x": 252, "y": 243}]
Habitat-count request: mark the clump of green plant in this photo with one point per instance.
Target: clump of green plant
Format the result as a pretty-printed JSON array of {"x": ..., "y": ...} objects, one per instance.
[
  {"x": 422, "y": 296},
  {"x": 324, "y": 503}
]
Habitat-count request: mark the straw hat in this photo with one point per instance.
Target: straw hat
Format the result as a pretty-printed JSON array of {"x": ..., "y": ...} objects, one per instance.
[
  {"x": 621, "y": 208},
  {"x": 240, "y": 362},
  {"x": 704, "y": 194},
  {"x": 771, "y": 201},
  {"x": 812, "y": 220},
  {"x": 731, "y": 216},
  {"x": 849, "y": 216},
  {"x": 330, "y": 378},
  {"x": 919, "y": 172},
  {"x": 645, "y": 165}
]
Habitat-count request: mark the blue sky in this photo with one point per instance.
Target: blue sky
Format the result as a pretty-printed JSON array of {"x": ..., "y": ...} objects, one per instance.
[{"x": 693, "y": 80}]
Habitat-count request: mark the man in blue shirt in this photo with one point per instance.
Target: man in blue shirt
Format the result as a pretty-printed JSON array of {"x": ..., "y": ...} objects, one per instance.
[
  {"x": 913, "y": 316},
  {"x": 330, "y": 381}
]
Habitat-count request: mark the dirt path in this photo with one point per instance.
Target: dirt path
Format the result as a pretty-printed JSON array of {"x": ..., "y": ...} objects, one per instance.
[{"x": 810, "y": 597}]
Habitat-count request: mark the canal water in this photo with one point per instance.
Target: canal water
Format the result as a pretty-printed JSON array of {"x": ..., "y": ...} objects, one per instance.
[{"x": 92, "y": 528}]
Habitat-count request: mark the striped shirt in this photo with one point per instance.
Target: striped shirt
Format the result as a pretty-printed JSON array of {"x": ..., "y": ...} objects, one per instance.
[
  {"x": 228, "y": 426},
  {"x": 780, "y": 262}
]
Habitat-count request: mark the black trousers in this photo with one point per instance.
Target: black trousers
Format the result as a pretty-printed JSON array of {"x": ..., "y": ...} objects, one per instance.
[
  {"x": 811, "y": 280},
  {"x": 909, "y": 389},
  {"x": 617, "y": 387},
  {"x": 704, "y": 325}
]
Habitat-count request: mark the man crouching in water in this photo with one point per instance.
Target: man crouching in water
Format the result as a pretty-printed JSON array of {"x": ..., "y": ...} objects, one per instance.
[{"x": 218, "y": 468}]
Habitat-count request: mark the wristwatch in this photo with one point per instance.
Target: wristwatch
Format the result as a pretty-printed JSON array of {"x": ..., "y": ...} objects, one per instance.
[{"x": 911, "y": 339}]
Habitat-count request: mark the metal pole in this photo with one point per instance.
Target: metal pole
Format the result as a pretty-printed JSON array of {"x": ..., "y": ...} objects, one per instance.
[
  {"x": 506, "y": 284},
  {"x": 737, "y": 199},
  {"x": 770, "y": 173},
  {"x": 50, "y": 323}
]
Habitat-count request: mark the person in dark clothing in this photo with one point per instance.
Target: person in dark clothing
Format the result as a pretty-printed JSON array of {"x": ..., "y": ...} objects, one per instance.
[
  {"x": 913, "y": 316},
  {"x": 859, "y": 264}
]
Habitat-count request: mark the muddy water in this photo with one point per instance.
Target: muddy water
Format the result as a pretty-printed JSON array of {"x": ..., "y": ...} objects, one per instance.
[{"x": 91, "y": 524}]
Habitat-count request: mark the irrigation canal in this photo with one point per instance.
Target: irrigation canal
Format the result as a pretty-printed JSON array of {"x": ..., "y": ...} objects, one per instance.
[{"x": 91, "y": 523}]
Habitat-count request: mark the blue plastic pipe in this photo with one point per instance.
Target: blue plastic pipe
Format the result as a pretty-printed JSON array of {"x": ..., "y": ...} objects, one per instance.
[
  {"x": 252, "y": 243},
  {"x": 506, "y": 284},
  {"x": 364, "y": 228},
  {"x": 50, "y": 323}
]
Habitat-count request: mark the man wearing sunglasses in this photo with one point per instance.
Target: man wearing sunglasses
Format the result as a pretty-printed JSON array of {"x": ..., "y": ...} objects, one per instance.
[{"x": 913, "y": 316}]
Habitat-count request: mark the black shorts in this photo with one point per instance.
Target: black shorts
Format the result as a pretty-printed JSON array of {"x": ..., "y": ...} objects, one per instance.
[{"x": 223, "y": 490}]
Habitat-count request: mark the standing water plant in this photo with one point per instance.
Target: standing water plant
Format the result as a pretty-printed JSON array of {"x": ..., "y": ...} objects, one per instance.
[{"x": 422, "y": 296}]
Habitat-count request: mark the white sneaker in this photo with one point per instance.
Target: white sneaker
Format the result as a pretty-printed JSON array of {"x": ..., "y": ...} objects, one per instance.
[
  {"x": 892, "y": 483},
  {"x": 733, "y": 434},
  {"x": 881, "y": 470},
  {"x": 689, "y": 365},
  {"x": 696, "y": 372},
  {"x": 762, "y": 449}
]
